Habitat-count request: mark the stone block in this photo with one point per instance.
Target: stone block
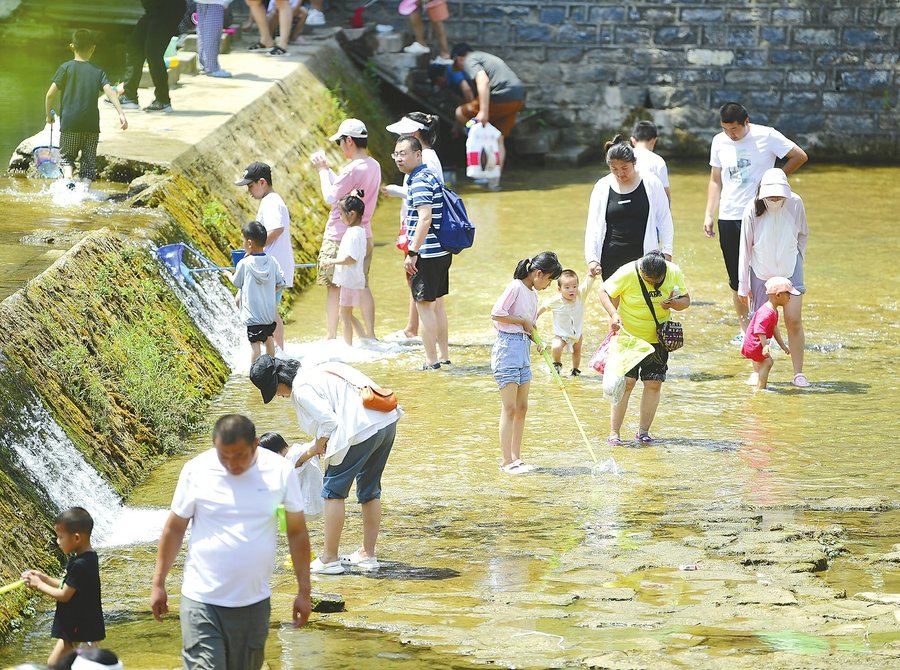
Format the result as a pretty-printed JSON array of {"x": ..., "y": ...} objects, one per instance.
[
  {"x": 741, "y": 37},
  {"x": 495, "y": 32},
  {"x": 605, "y": 34},
  {"x": 865, "y": 37},
  {"x": 710, "y": 57},
  {"x": 675, "y": 35},
  {"x": 664, "y": 77},
  {"x": 755, "y": 77},
  {"x": 713, "y": 36},
  {"x": 842, "y": 101},
  {"x": 840, "y": 17},
  {"x": 597, "y": 73},
  {"x": 569, "y": 34},
  {"x": 553, "y": 15},
  {"x": 570, "y": 156},
  {"x": 889, "y": 16},
  {"x": 788, "y": 15},
  {"x": 866, "y": 15},
  {"x": 756, "y": 15},
  {"x": 538, "y": 143},
  {"x": 707, "y": 74},
  {"x": 631, "y": 35},
  {"x": 827, "y": 58},
  {"x": 866, "y": 80},
  {"x": 774, "y": 36},
  {"x": 800, "y": 99},
  {"x": 188, "y": 62},
  {"x": 882, "y": 57},
  {"x": 789, "y": 57},
  {"x": 702, "y": 15},
  {"x": 565, "y": 54},
  {"x": 657, "y": 57},
  {"x": 397, "y": 67},
  {"x": 190, "y": 43},
  {"x": 749, "y": 57},
  {"x": 722, "y": 95},
  {"x": 609, "y": 14},
  {"x": 763, "y": 99},
  {"x": 389, "y": 42},
  {"x": 578, "y": 13},
  {"x": 661, "y": 15},
  {"x": 494, "y": 10},
  {"x": 822, "y": 37},
  {"x": 806, "y": 78},
  {"x": 851, "y": 123},
  {"x": 533, "y": 33}
]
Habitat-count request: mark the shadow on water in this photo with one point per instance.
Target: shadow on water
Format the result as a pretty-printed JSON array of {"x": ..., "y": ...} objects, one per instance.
[
  {"x": 822, "y": 388},
  {"x": 708, "y": 445},
  {"x": 404, "y": 571},
  {"x": 704, "y": 376},
  {"x": 573, "y": 471}
]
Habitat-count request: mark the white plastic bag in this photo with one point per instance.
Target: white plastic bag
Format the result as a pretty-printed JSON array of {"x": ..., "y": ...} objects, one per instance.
[
  {"x": 310, "y": 476},
  {"x": 483, "y": 152}
]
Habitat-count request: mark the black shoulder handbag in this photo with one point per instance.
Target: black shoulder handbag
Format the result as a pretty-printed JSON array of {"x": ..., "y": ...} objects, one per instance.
[{"x": 670, "y": 333}]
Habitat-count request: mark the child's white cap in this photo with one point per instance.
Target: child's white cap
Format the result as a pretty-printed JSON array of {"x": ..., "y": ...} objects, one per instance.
[{"x": 780, "y": 285}]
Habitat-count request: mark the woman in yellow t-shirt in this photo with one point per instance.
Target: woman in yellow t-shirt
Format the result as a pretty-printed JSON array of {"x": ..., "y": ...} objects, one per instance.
[{"x": 667, "y": 290}]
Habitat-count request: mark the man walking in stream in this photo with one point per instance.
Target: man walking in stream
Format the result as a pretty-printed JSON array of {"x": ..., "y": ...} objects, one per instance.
[{"x": 230, "y": 495}]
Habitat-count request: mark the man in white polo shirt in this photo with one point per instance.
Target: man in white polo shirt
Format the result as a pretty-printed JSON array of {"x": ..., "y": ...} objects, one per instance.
[
  {"x": 230, "y": 496},
  {"x": 738, "y": 157}
]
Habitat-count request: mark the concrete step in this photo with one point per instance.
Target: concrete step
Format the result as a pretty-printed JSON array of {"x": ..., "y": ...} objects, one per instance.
[
  {"x": 390, "y": 43},
  {"x": 147, "y": 81},
  {"x": 188, "y": 62},
  {"x": 537, "y": 142},
  {"x": 570, "y": 156},
  {"x": 190, "y": 43},
  {"x": 397, "y": 67}
]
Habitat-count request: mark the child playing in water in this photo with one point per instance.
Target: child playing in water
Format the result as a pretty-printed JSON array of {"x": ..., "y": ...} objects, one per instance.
[
  {"x": 305, "y": 459},
  {"x": 568, "y": 317},
  {"x": 349, "y": 272},
  {"x": 259, "y": 278},
  {"x": 514, "y": 315},
  {"x": 763, "y": 326},
  {"x": 79, "y": 81},
  {"x": 79, "y": 614}
]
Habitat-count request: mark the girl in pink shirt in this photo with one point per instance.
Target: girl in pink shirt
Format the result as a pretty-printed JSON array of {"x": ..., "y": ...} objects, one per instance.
[{"x": 514, "y": 315}]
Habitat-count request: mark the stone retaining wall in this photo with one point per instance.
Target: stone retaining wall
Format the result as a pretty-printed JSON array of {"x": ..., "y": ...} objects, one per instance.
[{"x": 825, "y": 73}]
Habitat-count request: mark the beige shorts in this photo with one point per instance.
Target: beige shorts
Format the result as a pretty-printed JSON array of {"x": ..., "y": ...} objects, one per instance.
[{"x": 329, "y": 250}]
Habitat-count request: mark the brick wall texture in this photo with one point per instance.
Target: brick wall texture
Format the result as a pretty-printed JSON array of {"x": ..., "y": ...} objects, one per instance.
[{"x": 824, "y": 72}]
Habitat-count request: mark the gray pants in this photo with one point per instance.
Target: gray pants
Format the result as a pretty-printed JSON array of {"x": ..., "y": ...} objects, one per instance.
[{"x": 223, "y": 638}]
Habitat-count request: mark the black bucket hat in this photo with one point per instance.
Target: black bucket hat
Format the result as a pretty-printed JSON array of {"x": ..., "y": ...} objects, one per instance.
[{"x": 264, "y": 375}]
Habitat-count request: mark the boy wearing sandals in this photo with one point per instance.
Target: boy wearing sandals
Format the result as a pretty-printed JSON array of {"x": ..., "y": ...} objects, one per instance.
[{"x": 763, "y": 327}]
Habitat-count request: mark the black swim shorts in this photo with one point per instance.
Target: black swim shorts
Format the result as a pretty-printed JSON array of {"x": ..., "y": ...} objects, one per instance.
[
  {"x": 432, "y": 279},
  {"x": 260, "y": 333},
  {"x": 653, "y": 368}
]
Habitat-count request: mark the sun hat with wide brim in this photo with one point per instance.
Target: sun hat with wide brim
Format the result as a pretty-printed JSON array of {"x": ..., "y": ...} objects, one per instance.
[
  {"x": 774, "y": 184},
  {"x": 264, "y": 375}
]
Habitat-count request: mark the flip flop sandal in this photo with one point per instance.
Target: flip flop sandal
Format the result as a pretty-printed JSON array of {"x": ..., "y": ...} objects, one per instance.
[
  {"x": 800, "y": 380},
  {"x": 614, "y": 441},
  {"x": 644, "y": 438}
]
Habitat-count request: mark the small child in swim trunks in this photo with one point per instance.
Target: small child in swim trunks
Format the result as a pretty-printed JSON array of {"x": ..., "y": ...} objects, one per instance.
[
  {"x": 763, "y": 327},
  {"x": 568, "y": 318}
]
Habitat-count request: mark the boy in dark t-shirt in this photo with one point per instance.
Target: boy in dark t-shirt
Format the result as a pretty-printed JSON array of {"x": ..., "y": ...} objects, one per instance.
[
  {"x": 79, "y": 614},
  {"x": 79, "y": 82}
]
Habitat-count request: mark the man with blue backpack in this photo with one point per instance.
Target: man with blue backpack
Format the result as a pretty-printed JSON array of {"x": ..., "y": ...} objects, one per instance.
[{"x": 436, "y": 228}]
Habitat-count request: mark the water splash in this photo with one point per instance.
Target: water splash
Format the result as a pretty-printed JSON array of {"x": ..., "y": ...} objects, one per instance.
[
  {"x": 56, "y": 466},
  {"x": 606, "y": 466},
  {"x": 66, "y": 193}
]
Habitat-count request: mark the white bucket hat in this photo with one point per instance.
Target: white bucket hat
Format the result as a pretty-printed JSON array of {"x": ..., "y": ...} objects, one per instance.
[{"x": 774, "y": 184}]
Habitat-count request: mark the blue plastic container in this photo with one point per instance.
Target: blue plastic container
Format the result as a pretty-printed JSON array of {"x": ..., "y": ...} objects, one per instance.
[{"x": 237, "y": 255}]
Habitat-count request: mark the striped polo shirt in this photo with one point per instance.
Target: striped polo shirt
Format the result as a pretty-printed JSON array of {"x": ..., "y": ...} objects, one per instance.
[{"x": 424, "y": 189}]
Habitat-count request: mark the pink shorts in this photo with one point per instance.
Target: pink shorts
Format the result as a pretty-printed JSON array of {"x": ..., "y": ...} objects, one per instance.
[{"x": 351, "y": 297}]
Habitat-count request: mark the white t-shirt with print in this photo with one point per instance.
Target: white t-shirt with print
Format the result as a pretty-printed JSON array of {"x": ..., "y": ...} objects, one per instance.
[
  {"x": 274, "y": 215},
  {"x": 353, "y": 244},
  {"x": 231, "y": 552},
  {"x": 743, "y": 164}
]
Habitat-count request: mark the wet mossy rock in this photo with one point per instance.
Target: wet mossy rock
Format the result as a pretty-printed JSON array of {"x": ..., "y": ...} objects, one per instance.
[{"x": 113, "y": 355}]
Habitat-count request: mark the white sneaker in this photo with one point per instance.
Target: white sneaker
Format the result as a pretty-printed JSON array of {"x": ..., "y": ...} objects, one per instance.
[
  {"x": 416, "y": 49},
  {"x": 315, "y": 17},
  {"x": 737, "y": 340},
  {"x": 440, "y": 60},
  {"x": 317, "y": 567},
  {"x": 362, "y": 562}
]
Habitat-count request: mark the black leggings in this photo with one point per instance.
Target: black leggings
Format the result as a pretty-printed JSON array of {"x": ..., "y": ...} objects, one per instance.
[
  {"x": 148, "y": 41},
  {"x": 730, "y": 243}
]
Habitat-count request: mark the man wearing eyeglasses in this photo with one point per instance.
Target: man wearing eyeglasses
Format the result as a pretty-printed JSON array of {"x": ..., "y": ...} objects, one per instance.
[{"x": 364, "y": 173}]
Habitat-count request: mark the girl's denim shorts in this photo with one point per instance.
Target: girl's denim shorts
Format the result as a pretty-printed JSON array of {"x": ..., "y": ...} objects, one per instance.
[{"x": 511, "y": 359}]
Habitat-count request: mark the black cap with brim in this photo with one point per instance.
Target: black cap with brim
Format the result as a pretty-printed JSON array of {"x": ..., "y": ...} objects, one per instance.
[
  {"x": 255, "y": 172},
  {"x": 264, "y": 375}
]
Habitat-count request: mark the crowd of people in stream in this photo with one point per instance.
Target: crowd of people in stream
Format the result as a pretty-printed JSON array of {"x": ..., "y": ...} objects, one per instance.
[{"x": 228, "y": 495}]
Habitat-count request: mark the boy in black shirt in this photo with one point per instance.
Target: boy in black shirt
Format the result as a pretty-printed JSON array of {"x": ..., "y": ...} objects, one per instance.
[
  {"x": 79, "y": 614},
  {"x": 79, "y": 83}
]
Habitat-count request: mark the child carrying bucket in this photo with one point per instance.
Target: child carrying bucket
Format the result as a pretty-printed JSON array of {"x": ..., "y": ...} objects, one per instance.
[{"x": 514, "y": 315}]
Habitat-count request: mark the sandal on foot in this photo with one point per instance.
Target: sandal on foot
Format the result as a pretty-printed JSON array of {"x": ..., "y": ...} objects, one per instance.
[
  {"x": 259, "y": 46},
  {"x": 614, "y": 441},
  {"x": 361, "y": 562},
  {"x": 800, "y": 380},
  {"x": 514, "y": 468},
  {"x": 644, "y": 438},
  {"x": 317, "y": 567}
]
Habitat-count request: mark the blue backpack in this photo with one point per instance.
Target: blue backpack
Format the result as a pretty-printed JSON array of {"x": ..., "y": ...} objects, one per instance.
[{"x": 456, "y": 232}]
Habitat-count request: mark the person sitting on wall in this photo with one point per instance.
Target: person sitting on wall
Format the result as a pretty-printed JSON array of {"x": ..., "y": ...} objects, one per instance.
[{"x": 499, "y": 92}]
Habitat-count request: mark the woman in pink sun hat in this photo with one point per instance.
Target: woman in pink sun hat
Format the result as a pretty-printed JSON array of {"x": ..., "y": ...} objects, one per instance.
[{"x": 774, "y": 233}]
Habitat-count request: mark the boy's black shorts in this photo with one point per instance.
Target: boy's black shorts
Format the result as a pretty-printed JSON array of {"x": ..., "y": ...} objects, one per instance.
[
  {"x": 260, "y": 333},
  {"x": 432, "y": 279}
]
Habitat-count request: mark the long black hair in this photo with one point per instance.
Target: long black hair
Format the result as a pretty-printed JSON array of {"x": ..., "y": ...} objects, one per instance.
[
  {"x": 546, "y": 262},
  {"x": 430, "y": 131}
]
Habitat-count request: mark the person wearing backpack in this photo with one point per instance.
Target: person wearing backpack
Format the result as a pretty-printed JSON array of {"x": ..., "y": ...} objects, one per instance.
[{"x": 427, "y": 262}]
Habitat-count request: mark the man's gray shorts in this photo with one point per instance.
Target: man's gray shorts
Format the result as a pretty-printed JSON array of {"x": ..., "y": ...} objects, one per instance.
[{"x": 223, "y": 638}]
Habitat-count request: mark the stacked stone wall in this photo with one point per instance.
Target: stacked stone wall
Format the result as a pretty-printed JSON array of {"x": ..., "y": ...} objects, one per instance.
[{"x": 824, "y": 72}]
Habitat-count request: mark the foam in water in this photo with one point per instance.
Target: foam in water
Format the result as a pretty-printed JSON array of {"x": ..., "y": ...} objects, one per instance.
[
  {"x": 63, "y": 196},
  {"x": 60, "y": 470},
  {"x": 323, "y": 351},
  {"x": 606, "y": 466}
]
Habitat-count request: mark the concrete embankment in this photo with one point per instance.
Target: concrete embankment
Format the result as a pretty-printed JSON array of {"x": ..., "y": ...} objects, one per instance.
[{"x": 100, "y": 338}]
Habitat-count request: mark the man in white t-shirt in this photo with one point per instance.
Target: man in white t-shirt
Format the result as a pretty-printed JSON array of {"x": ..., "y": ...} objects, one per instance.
[
  {"x": 643, "y": 139},
  {"x": 230, "y": 497},
  {"x": 738, "y": 157},
  {"x": 274, "y": 215}
]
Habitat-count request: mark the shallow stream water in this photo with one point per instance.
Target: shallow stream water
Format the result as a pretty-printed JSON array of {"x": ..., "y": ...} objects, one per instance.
[{"x": 562, "y": 568}]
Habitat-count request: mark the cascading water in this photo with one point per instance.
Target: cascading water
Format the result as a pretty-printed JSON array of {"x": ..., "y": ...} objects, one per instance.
[{"x": 55, "y": 465}]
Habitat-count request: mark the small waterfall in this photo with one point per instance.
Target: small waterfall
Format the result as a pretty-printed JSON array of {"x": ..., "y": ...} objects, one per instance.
[
  {"x": 55, "y": 465},
  {"x": 211, "y": 306}
]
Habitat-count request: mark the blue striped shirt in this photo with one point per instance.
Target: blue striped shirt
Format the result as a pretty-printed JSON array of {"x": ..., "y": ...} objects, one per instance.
[{"x": 424, "y": 189}]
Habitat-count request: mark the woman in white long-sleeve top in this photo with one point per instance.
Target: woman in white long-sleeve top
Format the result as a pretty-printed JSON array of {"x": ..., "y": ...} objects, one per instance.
[
  {"x": 774, "y": 233},
  {"x": 628, "y": 215},
  {"x": 353, "y": 442}
]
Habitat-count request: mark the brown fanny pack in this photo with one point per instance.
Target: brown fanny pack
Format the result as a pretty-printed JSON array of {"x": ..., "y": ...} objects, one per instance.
[{"x": 373, "y": 397}]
